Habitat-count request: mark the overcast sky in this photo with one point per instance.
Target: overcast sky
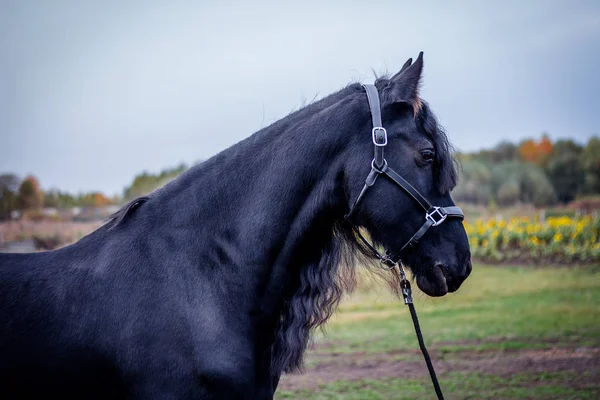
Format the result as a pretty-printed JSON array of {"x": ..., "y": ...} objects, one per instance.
[{"x": 92, "y": 93}]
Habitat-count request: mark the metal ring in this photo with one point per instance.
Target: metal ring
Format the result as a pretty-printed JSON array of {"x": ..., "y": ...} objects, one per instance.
[
  {"x": 383, "y": 263},
  {"x": 382, "y": 169}
]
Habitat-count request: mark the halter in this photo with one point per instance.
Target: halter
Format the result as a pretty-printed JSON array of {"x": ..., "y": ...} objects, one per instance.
[{"x": 434, "y": 215}]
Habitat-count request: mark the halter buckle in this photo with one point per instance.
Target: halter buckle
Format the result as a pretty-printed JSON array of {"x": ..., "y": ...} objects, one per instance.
[
  {"x": 437, "y": 216},
  {"x": 379, "y": 133}
]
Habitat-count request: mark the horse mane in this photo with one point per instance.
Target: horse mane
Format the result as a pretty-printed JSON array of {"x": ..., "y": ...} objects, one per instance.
[
  {"x": 322, "y": 282},
  {"x": 293, "y": 117},
  {"x": 445, "y": 167}
]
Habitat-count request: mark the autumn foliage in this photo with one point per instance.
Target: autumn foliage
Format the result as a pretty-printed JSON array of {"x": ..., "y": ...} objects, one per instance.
[
  {"x": 95, "y": 199},
  {"x": 536, "y": 152},
  {"x": 30, "y": 194},
  {"x": 26, "y": 197}
]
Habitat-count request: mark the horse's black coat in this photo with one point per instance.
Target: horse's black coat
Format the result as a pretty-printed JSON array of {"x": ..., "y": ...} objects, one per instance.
[{"x": 208, "y": 287}]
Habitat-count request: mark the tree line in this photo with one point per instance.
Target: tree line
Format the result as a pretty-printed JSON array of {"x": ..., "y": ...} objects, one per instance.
[
  {"x": 27, "y": 196},
  {"x": 537, "y": 172}
]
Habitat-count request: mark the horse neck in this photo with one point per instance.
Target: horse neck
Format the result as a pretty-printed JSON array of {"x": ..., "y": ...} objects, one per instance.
[{"x": 268, "y": 202}]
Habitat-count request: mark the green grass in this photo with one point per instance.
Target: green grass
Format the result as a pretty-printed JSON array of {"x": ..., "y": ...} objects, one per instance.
[
  {"x": 497, "y": 309},
  {"x": 456, "y": 386},
  {"x": 496, "y": 303}
]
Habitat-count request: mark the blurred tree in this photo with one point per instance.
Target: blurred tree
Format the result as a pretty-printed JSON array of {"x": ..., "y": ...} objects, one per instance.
[
  {"x": 506, "y": 151},
  {"x": 564, "y": 169},
  {"x": 544, "y": 150},
  {"x": 30, "y": 194},
  {"x": 56, "y": 198},
  {"x": 474, "y": 182},
  {"x": 590, "y": 160},
  {"x": 9, "y": 198},
  {"x": 503, "y": 151},
  {"x": 527, "y": 150},
  {"x": 94, "y": 199},
  {"x": 66, "y": 200},
  {"x": 145, "y": 183},
  {"x": 514, "y": 181},
  {"x": 51, "y": 199},
  {"x": 509, "y": 193},
  {"x": 536, "y": 152},
  {"x": 536, "y": 187}
]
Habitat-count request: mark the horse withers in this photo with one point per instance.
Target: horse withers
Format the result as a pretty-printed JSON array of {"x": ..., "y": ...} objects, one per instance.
[{"x": 209, "y": 287}]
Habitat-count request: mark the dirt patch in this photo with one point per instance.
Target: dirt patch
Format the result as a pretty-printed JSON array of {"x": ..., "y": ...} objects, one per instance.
[{"x": 583, "y": 362}]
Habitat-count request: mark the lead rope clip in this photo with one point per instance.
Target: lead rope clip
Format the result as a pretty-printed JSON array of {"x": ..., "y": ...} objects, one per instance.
[{"x": 405, "y": 285}]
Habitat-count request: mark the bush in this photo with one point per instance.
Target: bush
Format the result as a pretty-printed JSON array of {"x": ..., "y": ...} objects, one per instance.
[
  {"x": 557, "y": 240},
  {"x": 474, "y": 183},
  {"x": 509, "y": 193}
]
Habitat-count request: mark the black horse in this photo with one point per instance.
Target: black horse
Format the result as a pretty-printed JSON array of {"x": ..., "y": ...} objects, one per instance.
[{"x": 209, "y": 287}]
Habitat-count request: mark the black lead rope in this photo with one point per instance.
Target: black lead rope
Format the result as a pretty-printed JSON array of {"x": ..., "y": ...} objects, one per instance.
[
  {"x": 387, "y": 263},
  {"x": 407, "y": 294},
  {"x": 433, "y": 216}
]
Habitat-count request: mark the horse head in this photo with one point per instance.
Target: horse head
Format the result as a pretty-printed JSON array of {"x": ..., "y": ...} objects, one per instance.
[{"x": 395, "y": 210}]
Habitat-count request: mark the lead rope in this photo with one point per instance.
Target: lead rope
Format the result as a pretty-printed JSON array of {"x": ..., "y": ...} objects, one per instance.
[
  {"x": 433, "y": 216},
  {"x": 388, "y": 263},
  {"x": 408, "y": 300}
]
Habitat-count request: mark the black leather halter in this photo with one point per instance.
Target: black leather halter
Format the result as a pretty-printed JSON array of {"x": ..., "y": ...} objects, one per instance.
[{"x": 434, "y": 215}]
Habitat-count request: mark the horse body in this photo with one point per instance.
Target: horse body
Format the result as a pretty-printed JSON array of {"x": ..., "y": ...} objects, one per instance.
[
  {"x": 208, "y": 287},
  {"x": 176, "y": 302}
]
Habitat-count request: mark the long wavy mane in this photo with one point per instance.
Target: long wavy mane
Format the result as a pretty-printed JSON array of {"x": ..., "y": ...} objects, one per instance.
[{"x": 322, "y": 283}]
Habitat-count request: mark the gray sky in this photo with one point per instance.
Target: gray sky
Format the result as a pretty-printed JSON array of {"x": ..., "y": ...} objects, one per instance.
[{"x": 92, "y": 93}]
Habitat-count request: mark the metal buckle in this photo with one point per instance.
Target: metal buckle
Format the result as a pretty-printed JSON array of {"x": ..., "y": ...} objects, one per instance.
[
  {"x": 374, "y": 134},
  {"x": 436, "y": 210}
]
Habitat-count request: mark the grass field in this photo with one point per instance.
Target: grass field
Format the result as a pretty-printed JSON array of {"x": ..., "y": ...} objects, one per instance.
[{"x": 509, "y": 333}]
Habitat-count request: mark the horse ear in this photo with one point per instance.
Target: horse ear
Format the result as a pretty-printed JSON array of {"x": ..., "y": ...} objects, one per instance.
[
  {"x": 406, "y": 65},
  {"x": 404, "y": 86}
]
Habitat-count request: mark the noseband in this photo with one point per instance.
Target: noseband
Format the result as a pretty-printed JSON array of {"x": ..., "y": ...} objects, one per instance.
[{"x": 434, "y": 215}]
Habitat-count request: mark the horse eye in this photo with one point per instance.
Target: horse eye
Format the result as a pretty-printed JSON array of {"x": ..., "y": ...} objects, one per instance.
[{"x": 427, "y": 155}]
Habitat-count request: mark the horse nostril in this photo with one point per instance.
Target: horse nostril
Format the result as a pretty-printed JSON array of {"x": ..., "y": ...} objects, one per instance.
[
  {"x": 444, "y": 268},
  {"x": 454, "y": 275}
]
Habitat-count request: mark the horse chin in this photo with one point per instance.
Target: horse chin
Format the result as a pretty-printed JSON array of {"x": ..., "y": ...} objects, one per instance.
[{"x": 433, "y": 283}]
